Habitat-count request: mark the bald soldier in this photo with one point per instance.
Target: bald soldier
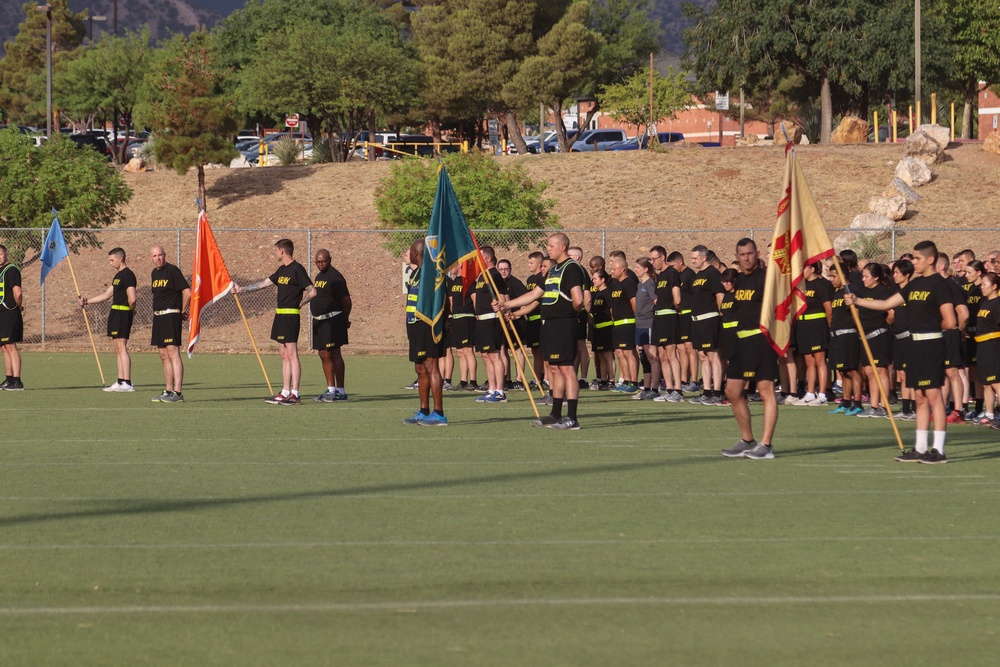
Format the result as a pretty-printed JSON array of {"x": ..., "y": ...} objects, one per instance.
[
  {"x": 331, "y": 315},
  {"x": 171, "y": 298},
  {"x": 562, "y": 300}
]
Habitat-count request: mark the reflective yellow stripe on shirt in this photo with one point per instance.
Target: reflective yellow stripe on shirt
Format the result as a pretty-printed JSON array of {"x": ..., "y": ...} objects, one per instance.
[
  {"x": 117, "y": 307},
  {"x": 729, "y": 325},
  {"x": 602, "y": 325}
]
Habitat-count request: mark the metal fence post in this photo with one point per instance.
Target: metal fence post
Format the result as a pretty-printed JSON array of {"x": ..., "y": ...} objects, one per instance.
[
  {"x": 604, "y": 241},
  {"x": 893, "y": 256},
  {"x": 178, "y": 247},
  {"x": 309, "y": 254},
  {"x": 42, "y": 245},
  {"x": 752, "y": 235}
]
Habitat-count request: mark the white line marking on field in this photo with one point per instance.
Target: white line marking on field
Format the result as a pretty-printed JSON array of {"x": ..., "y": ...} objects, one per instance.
[
  {"x": 350, "y": 544},
  {"x": 430, "y": 605}
]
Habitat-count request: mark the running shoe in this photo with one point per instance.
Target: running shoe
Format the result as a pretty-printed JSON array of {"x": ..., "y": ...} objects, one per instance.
[
  {"x": 173, "y": 397},
  {"x": 985, "y": 421},
  {"x": 630, "y": 388},
  {"x": 434, "y": 419},
  {"x": 697, "y": 400},
  {"x": 675, "y": 396},
  {"x": 447, "y": 386},
  {"x": 648, "y": 395},
  {"x": 14, "y": 385},
  {"x": 934, "y": 456},
  {"x": 723, "y": 403},
  {"x": 417, "y": 417},
  {"x": 546, "y": 420},
  {"x": 689, "y": 387},
  {"x": 955, "y": 417},
  {"x": 546, "y": 401},
  {"x": 338, "y": 397},
  {"x": 159, "y": 399},
  {"x": 566, "y": 424},
  {"x": 484, "y": 387},
  {"x": 906, "y": 417},
  {"x": 533, "y": 386},
  {"x": 755, "y": 398},
  {"x": 518, "y": 386},
  {"x": 485, "y": 397},
  {"x": 605, "y": 386},
  {"x": 125, "y": 387},
  {"x": 761, "y": 452},
  {"x": 739, "y": 449},
  {"x": 469, "y": 387},
  {"x": 910, "y": 456},
  {"x": 893, "y": 398},
  {"x": 594, "y": 386},
  {"x": 880, "y": 412},
  {"x": 325, "y": 397},
  {"x": 274, "y": 400},
  {"x": 496, "y": 397},
  {"x": 711, "y": 400},
  {"x": 868, "y": 412},
  {"x": 817, "y": 402},
  {"x": 4, "y": 384},
  {"x": 584, "y": 384},
  {"x": 662, "y": 397},
  {"x": 413, "y": 385},
  {"x": 970, "y": 416},
  {"x": 109, "y": 388},
  {"x": 854, "y": 412},
  {"x": 839, "y": 410},
  {"x": 291, "y": 399}
]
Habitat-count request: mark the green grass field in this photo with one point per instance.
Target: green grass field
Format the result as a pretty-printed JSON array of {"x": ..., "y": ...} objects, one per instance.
[{"x": 224, "y": 531}]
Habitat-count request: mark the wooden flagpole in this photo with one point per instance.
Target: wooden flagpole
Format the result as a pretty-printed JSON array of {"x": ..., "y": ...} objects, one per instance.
[
  {"x": 868, "y": 351},
  {"x": 253, "y": 343},
  {"x": 510, "y": 344},
  {"x": 86, "y": 321}
]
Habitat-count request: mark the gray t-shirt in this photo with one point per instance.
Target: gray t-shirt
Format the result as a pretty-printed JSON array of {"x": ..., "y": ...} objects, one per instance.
[{"x": 644, "y": 295}]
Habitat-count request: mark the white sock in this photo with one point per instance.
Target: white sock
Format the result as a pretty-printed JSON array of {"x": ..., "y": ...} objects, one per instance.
[
  {"x": 337, "y": 390},
  {"x": 810, "y": 396},
  {"x": 921, "y": 445},
  {"x": 822, "y": 396},
  {"x": 939, "y": 440},
  {"x": 990, "y": 415},
  {"x": 331, "y": 389},
  {"x": 285, "y": 392},
  {"x": 295, "y": 393}
]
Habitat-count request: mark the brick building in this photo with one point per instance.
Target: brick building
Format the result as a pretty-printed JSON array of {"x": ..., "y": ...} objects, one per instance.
[{"x": 989, "y": 113}]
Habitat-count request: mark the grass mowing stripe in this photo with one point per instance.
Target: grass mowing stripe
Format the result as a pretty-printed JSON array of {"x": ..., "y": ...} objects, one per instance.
[
  {"x": 498, "y": 543},
  {"x": 404, "y": 606}
]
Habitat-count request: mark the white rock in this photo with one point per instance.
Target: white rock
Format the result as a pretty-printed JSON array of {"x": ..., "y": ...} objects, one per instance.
[
  {"x": 897, "y": 188},
  {"x": 240, "y": 162},
  {"x": 872, "y": 222},
  {"x": 893, "y": 208},
  {"x": 942, "y": 135},
  {"x": 913, "y": 172}
]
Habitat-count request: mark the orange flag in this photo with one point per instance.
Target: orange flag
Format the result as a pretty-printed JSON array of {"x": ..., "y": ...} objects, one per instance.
[
  {"x": 210, "y": 278},
  {"x": 800, "y": 239}
]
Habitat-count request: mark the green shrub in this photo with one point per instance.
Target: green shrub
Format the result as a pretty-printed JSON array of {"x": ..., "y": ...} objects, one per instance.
[
  {"x": 491, "y": 197},
  {"x": 321, "y": 152},
  {"x": 286, "y": 151}
]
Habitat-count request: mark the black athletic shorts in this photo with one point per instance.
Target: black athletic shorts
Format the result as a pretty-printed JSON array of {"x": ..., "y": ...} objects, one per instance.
[
  {"x": 463, "y": 330},
  {"x": 811, "y": 336},
  {"x": 489, "y": 336},
  {"x": 665, "y": 330},
  {"x": 988, "y": 361},
  {"x": 601, "y": 339},
  {"x": 753, "y": 359},
  {"x": 881, "y": 347},
  {"x": 166, "y": 330},
  {"x": 705, "y": 334},
  {"x": 581, "y": 327},
  {"x": 727, "y": 342},
  {"x": 422, "y": 345},
  {"x": 329, "y": 333},
  {"x": 533, "y": 331},
  {"x": 285, "y": 328},
  {"x": 845, "y": 352},
  {"x": 11, "y": 326},
  {"x": 901, "y": 352},
  {"x": 954, "y": 349},
  {"x": 684, "y": 328},
  {"x": 120, "y": 324},
  {"x": 925, "y": 366},
  {"x": 971, "y": 350},
  {"x": 559, "y": 341},
  {"x": 623, "y": 336}
]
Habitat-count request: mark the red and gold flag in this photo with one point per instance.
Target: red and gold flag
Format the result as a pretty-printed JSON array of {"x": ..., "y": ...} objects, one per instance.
[
  {"x": 800, "y": 239},
  {"x": 210, "y": 280}
]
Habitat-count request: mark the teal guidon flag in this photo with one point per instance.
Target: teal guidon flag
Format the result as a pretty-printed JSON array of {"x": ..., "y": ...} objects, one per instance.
[
  {"x": 54, "y": 250},
  {"x": 448, "y": 242}
]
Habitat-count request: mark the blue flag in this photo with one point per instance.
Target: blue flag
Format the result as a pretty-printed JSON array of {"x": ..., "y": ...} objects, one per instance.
[
  {"x": 448, "y": 242},
  {"x": 54, "y": 250}
]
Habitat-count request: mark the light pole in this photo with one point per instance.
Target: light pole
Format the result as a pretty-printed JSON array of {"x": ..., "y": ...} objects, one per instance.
[
  {"x": 916, "y": 53},
  {"x": 47, "y": 8}
]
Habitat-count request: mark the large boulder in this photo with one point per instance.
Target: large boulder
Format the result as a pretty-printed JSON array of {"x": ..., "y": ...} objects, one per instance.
[
  {"x": 792, "y": 129},
  {"x": 893, "y": 208},
  {"x": 992, "y": 143},
  {"x": 913, "y": 172},
  {"x": 942, "y": 135},
  {"x": 923, "y": 146},
  {"x": 135, "y": 166},
  {"x": 749, "y": 140},
  {"x": 867, "y": 225},
  {"x": 897, "y": 188},
  {"x": 240, "y": 162},
  {"x": 852, "y": 130}
]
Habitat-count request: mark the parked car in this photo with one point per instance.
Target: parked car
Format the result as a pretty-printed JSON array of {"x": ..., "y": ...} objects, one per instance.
[
  {"x": 597, "y": 140},
  {"x": 96, "y": 142},
  {"x": 411, "y": 144},
  {"x": 551, "y": 142},
  {"x": 382, "y": 138},
  {"x": 642, "y": 142}
]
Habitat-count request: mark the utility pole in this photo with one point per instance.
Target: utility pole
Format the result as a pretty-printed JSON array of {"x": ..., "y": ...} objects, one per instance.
[
  {"x": 47, "y": 8},
  {"x": 916, "y": 51}
]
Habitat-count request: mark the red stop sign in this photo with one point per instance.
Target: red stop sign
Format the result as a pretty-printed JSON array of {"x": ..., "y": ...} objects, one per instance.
[{"x": 292, "y": 120}]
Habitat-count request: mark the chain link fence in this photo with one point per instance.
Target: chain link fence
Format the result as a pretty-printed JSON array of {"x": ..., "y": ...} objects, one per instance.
[{"x": 369, "y": 259}]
